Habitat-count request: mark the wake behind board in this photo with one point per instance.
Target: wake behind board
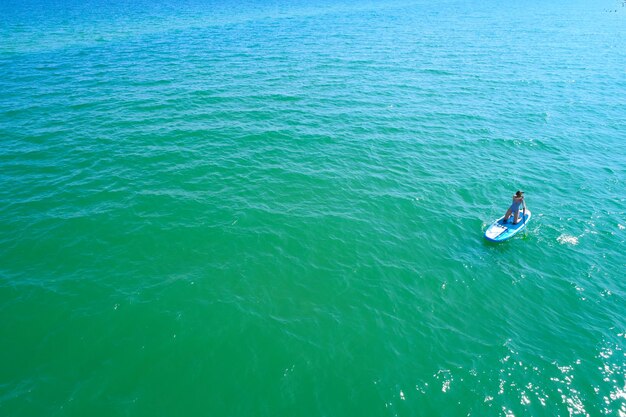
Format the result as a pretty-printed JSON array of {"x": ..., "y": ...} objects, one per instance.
[{"x": 500, "y": 231}]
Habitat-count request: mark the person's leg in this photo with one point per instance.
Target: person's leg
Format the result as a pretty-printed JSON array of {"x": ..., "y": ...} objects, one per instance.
[
  {"x": 507, "y": 215},
  {"x": 516, "y": 217}
]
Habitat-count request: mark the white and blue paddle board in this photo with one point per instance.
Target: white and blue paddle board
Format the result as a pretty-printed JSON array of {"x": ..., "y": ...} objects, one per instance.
[{"x": 500, "y": 231}]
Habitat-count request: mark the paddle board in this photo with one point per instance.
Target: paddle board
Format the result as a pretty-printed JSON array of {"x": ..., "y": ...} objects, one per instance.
[{"x": 500, "y": 231}]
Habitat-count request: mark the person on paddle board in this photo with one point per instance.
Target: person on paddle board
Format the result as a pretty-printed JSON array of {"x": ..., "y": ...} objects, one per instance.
[{"x": 518, "y": 200}]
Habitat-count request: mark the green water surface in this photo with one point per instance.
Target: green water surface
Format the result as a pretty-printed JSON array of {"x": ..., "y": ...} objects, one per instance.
[{"x": 277, "y": 208}]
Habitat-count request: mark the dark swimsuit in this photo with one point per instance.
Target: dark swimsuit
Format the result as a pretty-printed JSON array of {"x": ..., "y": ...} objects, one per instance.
[{"x": 515, "y": 205}]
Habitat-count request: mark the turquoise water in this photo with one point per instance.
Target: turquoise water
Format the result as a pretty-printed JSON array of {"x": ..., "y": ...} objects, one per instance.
[{"x": 276, "y": 208}]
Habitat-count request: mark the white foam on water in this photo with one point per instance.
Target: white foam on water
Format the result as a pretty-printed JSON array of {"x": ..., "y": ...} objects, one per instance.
[{"x": 567, "y": 239}]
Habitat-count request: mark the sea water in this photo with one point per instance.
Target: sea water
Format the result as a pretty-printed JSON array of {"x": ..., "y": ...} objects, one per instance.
[{"x": 276, "y": 208}]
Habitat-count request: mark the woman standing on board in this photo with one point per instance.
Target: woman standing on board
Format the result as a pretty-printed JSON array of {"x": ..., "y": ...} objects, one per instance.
[{"x": 518, "y": 200}]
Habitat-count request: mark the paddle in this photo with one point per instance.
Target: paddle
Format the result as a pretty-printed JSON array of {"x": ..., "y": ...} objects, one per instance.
[{"x": 524, "y": 217}]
